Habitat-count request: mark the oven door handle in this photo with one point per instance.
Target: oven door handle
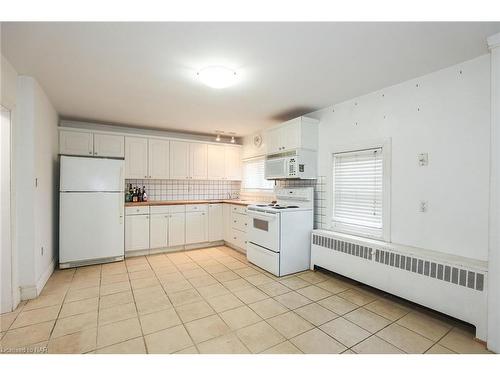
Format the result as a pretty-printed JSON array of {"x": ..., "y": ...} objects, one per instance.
[{"x": 261, "y": 214}]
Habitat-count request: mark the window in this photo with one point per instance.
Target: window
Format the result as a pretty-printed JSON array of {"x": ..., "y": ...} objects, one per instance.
[
  {"x": 358, "y": 192},
  {"x": 253, "y": 175}
]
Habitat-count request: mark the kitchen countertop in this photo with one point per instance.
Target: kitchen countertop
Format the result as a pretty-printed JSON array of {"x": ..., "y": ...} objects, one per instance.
[{"x": 170, "y": 203}]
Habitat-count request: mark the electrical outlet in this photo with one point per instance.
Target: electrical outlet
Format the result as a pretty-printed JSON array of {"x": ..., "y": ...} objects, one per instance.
[
  {"x": 423, "y": 206},
  {"x": 423, "y": 159}
]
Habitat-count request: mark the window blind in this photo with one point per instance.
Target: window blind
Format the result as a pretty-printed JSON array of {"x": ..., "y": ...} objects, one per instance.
[
  {"x": 358, "y": 184},
  {"x": 253, "y": 175}
]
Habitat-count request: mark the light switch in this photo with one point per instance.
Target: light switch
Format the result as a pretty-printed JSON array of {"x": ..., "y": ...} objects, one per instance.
[{"x": 423, "y": 159}]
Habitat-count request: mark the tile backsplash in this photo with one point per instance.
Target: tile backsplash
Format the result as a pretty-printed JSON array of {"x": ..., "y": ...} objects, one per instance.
[
  {"x": 184, "y": 190},
  {"x": 319, "y": 185}
]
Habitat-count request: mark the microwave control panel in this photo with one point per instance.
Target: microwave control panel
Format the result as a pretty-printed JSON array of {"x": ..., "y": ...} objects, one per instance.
[{"x": 292, "y": 167}]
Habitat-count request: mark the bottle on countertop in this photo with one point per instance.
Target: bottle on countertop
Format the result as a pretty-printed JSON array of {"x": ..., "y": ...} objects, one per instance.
[
  {"x": 135, "y": 197},
  {"x": 144, "y": 195}
]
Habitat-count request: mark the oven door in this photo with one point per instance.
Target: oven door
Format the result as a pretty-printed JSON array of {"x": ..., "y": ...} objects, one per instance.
[
  {"x": 265, "y": 229},
  {"x": 276, "y": 168}
]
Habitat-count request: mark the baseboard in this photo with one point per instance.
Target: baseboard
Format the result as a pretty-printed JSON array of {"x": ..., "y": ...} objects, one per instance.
[
  {"x": 45, "y": 277},
  {"x": 234, "y": 247},
  {"x": 201, "y": 245},
  {"x": 33, "y": 291},
  {"x": 28, "y": 292}
]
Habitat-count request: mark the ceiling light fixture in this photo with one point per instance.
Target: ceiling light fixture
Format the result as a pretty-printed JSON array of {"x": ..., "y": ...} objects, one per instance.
[
  {"x": 218, "y": 132},
  {"x": 217, "y": 77},
  {"x": 232, "y": 138}
]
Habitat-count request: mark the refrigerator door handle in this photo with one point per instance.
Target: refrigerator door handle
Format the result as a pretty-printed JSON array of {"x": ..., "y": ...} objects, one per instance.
[{"x": 120, "y": 208}]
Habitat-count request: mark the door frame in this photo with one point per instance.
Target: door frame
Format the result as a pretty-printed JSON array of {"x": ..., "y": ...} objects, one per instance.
[{"x": 7, "y": 298}]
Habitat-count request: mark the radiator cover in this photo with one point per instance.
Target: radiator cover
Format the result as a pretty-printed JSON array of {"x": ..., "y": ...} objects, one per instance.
[{"x": 457, "y": 289}]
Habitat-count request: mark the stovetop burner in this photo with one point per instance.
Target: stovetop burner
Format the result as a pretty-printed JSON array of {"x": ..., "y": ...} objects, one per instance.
[{"x": 277, "y": 206}]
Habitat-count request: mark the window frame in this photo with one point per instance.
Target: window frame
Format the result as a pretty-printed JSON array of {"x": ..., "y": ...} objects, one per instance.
[
  {"x": 385, "y": 145},
  {"x": 269, "y": 191}
]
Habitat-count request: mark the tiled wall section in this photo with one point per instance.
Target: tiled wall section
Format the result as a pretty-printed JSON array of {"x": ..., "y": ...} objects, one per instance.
[
  {"x": 319, "y": 197},
  {"x": 181, "y": 189}
]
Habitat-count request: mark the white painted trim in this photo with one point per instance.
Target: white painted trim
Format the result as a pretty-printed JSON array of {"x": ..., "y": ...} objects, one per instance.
[
  {"x": 494, "y": 217},
  {"x": 45, "y": 277},
  {"x": 33, "y": 291},
  {"x": 494, "y": 41},
  {"x": 96, "y": 128}
]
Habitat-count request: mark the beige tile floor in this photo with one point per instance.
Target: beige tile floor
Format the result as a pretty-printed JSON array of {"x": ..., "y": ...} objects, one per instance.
[{"x": 213, "y": 301}]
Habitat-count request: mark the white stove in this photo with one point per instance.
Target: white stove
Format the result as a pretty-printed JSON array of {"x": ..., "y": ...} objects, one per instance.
[{"x": 279, "y": 235}]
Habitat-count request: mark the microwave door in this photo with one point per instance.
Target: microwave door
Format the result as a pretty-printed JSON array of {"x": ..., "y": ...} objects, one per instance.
[{"x": 276, "y": 168}]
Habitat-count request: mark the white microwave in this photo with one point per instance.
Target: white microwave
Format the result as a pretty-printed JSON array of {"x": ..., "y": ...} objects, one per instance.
[{"x": 300, "y": 164}]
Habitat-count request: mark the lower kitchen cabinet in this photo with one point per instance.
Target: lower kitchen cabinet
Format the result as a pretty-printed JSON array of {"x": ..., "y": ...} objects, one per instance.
[
  {"x": 197, "y": 226},
  {"x": 136, "y": 232},
  {"x": 168, "y": 226},
  {"x": 177, "y": 229},
  {"x": 157, "y": 227},
  {"x": 158, "y": 231},
  {"x": 215, "y": 222},
  {"x": 235, "y": 225}
]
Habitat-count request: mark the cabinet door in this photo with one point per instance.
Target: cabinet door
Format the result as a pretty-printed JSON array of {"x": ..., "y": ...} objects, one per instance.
[
  {"x": 216, "y": 164},
  {"x": 76, "y": 143},
  {"x": 159, "y": 159},
  {"x": 136, "y": 232},
  {"x": 198, "y": 161},
  {"x": 291, "y": 134},
  {"x": 112, "y": 146},
  {"x": 226, "y": 214},
  {"x": 233, "y": 163},
  {"x": 158, "y": 231},
  {"x": 179, "y": 160},
  {"x": 136, "y": 157},
  {"x": 274, "y": 141},
  {"x": 215, "y": 223},
  {"x": 196, "y": 227},
  {"x": 177, "y": 229}
]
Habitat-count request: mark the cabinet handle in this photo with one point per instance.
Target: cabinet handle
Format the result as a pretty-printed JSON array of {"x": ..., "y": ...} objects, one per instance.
[
  {"x": 95, "y": 153},
  {"x": 145, "y": 176},
  {"x": 90, "y": 152}
]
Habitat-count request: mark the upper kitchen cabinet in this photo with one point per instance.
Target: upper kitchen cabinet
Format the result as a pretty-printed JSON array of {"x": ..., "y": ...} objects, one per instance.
[
  {"x": 87, "y": 143},
  {"x": 159, "y": 158},
  {"x": 179, "y": 160},
  {"x": 198, "y": 161},
  {"x": 301, "y": 132},
  {"x": 76, "y": 143},
  {"x": 147, "y": 158},
  {"x": 232, "y": 162},
  {"x": 136, "y": 157},
  {"x": 216, "y": 164},
  {"x": 109, "y": 145}
]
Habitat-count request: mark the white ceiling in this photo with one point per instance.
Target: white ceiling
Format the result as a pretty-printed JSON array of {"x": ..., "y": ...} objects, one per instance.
[{"x": 143, "y": 74}]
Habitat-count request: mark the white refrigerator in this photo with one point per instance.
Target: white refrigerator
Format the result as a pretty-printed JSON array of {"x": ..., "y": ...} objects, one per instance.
[{"x": 91, "y": 211}]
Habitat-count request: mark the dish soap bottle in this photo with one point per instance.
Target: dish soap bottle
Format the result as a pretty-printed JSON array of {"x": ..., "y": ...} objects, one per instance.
[{"x": 144, "y": 195}]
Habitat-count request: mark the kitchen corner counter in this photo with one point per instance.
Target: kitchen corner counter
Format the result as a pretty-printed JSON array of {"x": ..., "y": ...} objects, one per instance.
[{"x": 179, "y": 202}]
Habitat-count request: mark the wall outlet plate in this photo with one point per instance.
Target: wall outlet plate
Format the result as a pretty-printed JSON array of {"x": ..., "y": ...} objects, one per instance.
[
  {"x": 423, "y": 206},
  {"x": 423, "y": 159}
]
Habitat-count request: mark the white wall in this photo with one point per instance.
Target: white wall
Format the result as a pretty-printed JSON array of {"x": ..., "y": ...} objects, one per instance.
[
  {"x": 447, "y": 115},
  {"x": 35, "y": 159},
  {"x": 494, "y": 245},
  {"x": 8, "y": 83}
]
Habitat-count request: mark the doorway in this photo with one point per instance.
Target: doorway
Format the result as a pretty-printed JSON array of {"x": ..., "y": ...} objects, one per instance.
[{"x": 6, "y": 296}]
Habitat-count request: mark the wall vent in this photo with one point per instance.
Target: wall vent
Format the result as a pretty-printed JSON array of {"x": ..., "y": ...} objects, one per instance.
[{"x": 444, "y": 272}]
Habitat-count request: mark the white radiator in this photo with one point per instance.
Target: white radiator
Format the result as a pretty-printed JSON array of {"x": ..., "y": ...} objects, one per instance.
[{"x": 452, "y": 285}]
